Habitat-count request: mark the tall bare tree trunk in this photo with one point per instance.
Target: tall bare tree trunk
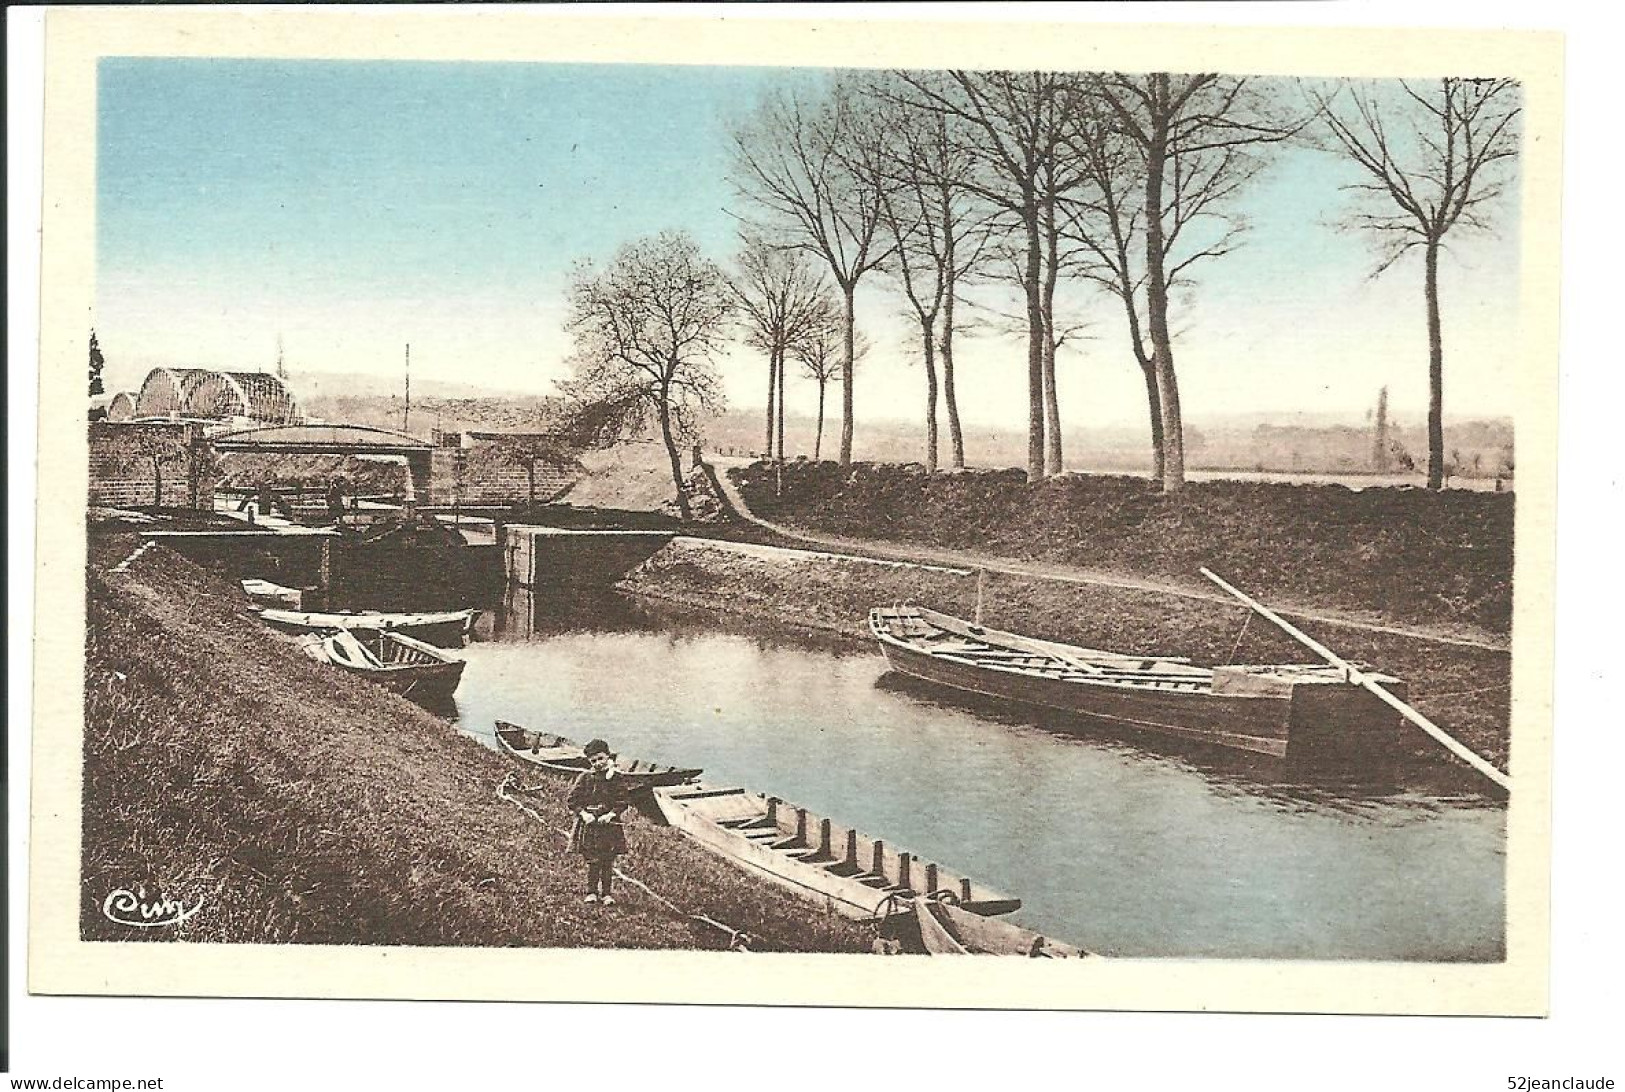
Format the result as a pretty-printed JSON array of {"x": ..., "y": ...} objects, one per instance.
[
  {"x": 1162, "y": 350},
  {"x": 956, "y": 435},
  {"x": 1148, "y": 369},
  {"x": 956, "y": 432},
  {"x": 782, "y": 356},
  {"x": 1037, "y": 334},
  {"x": 928, "y": 340},
  {"x": 1052, "y": 404},
  {"x": 1052, "y": 417},
  {"x": 772, "y": 387},
  {"x": 1435, "y": 372},
  {"x": 849, "y": 351},
  {"x": 818, "y": 440},
  {"x": 671, "y": 453}
]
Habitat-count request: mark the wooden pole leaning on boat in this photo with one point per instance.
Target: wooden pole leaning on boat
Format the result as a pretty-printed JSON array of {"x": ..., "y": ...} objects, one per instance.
[{"x": 1360, "y": 678}]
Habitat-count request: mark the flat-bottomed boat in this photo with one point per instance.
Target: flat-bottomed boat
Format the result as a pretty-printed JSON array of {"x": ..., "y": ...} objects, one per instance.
[
  {"x": 447, "y": 628},
  {"x": 412, "y": 668},
  {"x": 563, "y": 756},
  {"x": 852, "y": 874},
  {"x": 1308, "y": 711}
]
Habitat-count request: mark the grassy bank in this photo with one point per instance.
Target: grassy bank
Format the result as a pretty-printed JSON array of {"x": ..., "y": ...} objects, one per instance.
[
  {"x": 1463, "y": 689},
  {"x": 301, "y": 805},
  {"x": 1404, "y": 556}
]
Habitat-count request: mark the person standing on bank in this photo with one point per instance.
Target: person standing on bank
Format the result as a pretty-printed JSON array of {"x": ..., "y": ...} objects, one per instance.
[{"x": 599, "y": 799}]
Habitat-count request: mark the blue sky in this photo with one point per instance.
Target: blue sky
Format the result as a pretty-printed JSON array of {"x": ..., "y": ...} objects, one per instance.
[{"x": 350, "y": 207}]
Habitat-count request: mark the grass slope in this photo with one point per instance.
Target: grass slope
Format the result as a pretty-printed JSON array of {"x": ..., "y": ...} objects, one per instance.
[
  {"x": 1400, "y": 555},
  {"x": 302, "y": 805}
]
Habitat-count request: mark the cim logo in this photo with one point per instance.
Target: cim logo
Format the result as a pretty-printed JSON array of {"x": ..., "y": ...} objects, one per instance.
[{"x": 133, "y": 908}]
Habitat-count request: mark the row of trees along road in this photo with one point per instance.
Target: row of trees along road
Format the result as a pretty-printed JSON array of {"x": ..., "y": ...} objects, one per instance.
[{"x": 939, "y": 180}]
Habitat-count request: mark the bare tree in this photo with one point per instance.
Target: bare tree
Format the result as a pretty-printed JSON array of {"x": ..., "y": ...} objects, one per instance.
[
  {"x": 1012, "y": 123},
  {"x": 794, "y": 160},
  {"x": 1432, "y": 159},
  {"x": 940, "y": 231},
  {"x": 819, "y": 352},
  {"x": 781, "y": 297},
  {"x": 1195, "y": 141},
  {"x": 1108, "y": 225},
  {"x": 646, "y": 330}
]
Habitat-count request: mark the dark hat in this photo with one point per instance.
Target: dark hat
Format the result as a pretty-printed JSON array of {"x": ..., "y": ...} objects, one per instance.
[{"x": 597, "y": 747}]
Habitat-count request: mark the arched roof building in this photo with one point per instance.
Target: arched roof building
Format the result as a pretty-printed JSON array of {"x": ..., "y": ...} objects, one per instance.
[
  {"x": 122, "y": 407},
  {"x": 204, "y": 393},
  {"x": 255, "y": 395},
  {"x": 165, "y": 391}
]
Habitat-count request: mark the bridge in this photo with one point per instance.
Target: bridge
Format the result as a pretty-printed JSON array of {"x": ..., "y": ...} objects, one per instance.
[{"x": 310, "y": 439}]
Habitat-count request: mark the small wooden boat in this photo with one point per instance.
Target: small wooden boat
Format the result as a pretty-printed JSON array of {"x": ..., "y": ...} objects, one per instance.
[
  {"x": 412, "y": 668},
  {"x": 563, "y": 756},
  {"x": 1296, "y": 710},
  {"x": 447, "y": 628},
  {"x": 269, "y": 594},
  {"x": 945, "y": 929},
  {"x": 851, "y": 874}
]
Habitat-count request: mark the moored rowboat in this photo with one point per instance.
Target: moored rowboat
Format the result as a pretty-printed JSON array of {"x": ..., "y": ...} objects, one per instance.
[
  {"x": 563, "y": 756},
  {"x": 945, "y": 929},
  {"x": 412, "y": 668},
  {"x": 445, "y": 627},
  {"x": 1296, "y": 710},
  {"x": 271, "y": 594},
  {"x": 852, "y": 874}
]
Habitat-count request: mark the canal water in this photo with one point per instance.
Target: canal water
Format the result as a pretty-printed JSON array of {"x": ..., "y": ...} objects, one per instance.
[{"x": 1118, "y": 845}]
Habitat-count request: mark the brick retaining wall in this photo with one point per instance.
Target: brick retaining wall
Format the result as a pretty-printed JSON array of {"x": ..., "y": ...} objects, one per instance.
[
  {"x": 489, "y": 476},
  {"x": 122, "y": 471}
]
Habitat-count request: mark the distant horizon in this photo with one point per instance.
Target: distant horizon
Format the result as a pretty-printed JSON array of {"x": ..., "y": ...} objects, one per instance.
[{"x": 432, "y": 388}]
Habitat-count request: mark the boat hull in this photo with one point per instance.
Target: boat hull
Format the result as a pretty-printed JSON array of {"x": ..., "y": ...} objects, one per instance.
[
  {"x": 428, "y": 684},
  {"x": 413, "y": 669},
  {"x": 1261, "y": 725},
  {"x": 945, "y": 929},
  {"x": 797, "y": 852},
  {"x": 555, "y": 754},
  {"x": 1282, "y": 715},
  {"x": 444, "y": 629}
]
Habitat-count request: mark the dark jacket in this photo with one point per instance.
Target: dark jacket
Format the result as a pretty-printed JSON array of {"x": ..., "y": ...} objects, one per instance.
[{"x": 599, "y": 795}]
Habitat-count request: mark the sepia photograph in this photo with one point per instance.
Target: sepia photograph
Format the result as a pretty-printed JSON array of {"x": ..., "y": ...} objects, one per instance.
[{"x": 557, "y": 509}]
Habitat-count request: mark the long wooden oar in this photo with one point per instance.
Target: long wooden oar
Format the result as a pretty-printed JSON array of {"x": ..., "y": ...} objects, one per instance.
[{"x": 1355, "y": 675}]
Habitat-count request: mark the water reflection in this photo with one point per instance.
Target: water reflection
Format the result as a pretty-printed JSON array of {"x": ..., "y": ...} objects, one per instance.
[{"x": 1123, "y": 844}]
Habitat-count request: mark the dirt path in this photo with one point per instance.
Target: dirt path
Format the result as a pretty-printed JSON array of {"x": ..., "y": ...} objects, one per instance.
[{"x": 1068, "y": 574}]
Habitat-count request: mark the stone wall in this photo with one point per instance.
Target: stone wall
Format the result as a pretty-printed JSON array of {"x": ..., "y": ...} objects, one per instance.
[
  {"x": 139, "y": 465},
  {"x": 486, "y": 474}
]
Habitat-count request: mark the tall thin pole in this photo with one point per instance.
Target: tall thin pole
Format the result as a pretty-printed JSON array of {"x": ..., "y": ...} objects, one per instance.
[
  {"x": 1360, "y": 678},
  {"x": 406, "y": 418}
]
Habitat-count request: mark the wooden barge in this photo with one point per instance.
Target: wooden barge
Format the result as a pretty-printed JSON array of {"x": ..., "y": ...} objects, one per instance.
[{"x": 1283, "y": 710}]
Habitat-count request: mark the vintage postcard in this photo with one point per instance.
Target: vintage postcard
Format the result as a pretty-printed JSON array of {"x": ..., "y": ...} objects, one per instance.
[{"x": 703, "y": 510}]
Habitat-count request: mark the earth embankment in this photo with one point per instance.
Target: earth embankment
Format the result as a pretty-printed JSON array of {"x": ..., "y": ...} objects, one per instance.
[
  {"x": 1405, "y": 557},
  {"x": 302, "y": 805}
]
